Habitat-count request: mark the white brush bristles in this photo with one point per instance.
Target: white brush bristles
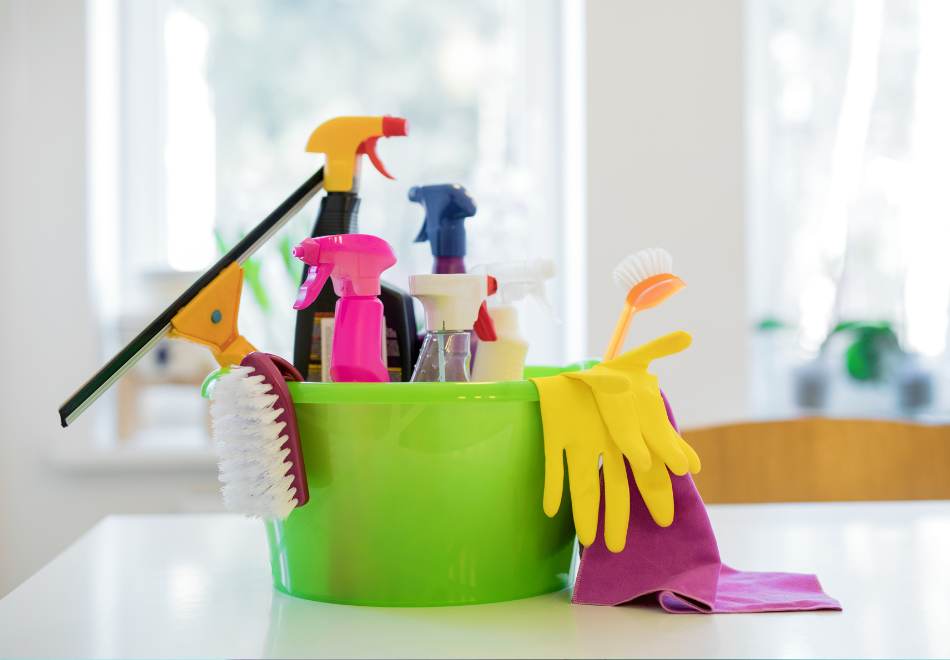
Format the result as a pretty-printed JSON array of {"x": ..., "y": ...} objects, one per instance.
[
  {"x": 248, "y": 439},
  {"x": 641, "y": 265}
]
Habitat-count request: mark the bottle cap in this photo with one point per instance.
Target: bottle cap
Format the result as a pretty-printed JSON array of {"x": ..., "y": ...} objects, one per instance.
[{"x": 446, "y": 205}]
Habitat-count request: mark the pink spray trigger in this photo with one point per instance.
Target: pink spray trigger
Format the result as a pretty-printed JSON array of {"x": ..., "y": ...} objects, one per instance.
[{"x": 311, "y": 288}]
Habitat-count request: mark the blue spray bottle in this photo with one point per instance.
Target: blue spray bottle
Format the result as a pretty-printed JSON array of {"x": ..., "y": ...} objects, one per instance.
[{"x": 446, "y": 206}]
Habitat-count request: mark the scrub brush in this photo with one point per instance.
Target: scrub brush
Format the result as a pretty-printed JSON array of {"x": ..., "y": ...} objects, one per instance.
[
  {"x": 648, "y": 276},
  {"x": 256, "y": 438}
]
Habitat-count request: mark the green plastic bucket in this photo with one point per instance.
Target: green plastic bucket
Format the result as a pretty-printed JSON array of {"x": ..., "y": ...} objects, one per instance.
[{"x": 421, "y": 494}]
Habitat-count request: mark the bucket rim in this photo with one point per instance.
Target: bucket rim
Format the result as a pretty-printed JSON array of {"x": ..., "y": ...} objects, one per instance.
[
  {"x": 514, "y": 391},
  {"x": 409, "y": 393}
]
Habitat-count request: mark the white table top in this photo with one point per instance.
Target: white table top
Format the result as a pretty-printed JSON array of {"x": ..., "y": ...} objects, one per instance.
[{"x": 199, "y": 586}]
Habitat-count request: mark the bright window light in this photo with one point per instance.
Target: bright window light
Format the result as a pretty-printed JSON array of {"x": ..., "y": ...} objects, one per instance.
[
  {"x": 216, "y": 101},
  {"x": 848, "y": 159},
  {"x": 190, "y": 145}
]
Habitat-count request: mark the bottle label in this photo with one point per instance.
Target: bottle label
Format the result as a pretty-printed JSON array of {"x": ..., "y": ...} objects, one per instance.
[
  {"x": 321, "y": 348},
  {"x": 321, "y": 343},
  {"x": 326, "y": 347},
  {"x": 391, "y": 354}
]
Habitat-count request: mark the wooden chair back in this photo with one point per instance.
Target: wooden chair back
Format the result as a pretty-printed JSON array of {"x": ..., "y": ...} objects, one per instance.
[{"x": 822, "y": 460}]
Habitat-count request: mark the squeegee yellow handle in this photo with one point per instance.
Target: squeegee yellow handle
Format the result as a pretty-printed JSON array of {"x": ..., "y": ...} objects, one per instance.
[{"x": 211, "y": 318}]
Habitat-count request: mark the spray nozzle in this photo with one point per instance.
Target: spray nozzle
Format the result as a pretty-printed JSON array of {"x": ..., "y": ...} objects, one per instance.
[
  {"x": 354, "y": 261},
  {"x": 345, "y": 139},
  {"x": 446, "y": 205},
  {"x": 520, "y": 279},
  {"x": 451, "y": 302}
]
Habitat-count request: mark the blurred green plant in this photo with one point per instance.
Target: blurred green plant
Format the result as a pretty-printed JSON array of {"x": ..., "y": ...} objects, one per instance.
[
  {"x": 293, "y": 265},
  {"x": 252, "y": 272},
  {"x": 771, "y": 324},
  {"x": 866, "y": 358}
]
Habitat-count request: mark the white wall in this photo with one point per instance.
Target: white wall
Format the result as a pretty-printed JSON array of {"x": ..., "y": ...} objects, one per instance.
[
  {"x": 665, "y": 169},
  {"x": 47, "y": 331}
]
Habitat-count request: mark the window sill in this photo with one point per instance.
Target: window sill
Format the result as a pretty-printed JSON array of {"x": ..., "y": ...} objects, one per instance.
[{"x": 83, "y": 458}]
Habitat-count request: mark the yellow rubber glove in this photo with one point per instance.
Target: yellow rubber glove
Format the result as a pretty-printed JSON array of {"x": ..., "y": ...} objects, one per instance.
[
  {"x": 599, "y": 412},
  {"x": 629, "y": 400},
  {"x": 573, "y": 426}
]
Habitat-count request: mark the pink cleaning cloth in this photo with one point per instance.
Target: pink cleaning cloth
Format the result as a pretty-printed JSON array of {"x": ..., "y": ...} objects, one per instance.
[{"x": 680, "y": 565}]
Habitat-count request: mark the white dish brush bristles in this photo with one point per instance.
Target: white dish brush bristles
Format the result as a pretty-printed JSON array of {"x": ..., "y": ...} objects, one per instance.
[
  {"x": 641, "y": 265},
  {"x": 248, "y": 441}
]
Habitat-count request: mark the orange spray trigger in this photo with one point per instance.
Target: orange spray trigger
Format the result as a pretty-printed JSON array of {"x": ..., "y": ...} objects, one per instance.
[
  {"x": 368, "y": 147},
  {"x": 345, "y": 139}
]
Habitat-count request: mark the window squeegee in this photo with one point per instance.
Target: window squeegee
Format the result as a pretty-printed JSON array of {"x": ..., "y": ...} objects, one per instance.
[
  {"x": 175, "y": 321},
  {"x": 207, "y": 312}
]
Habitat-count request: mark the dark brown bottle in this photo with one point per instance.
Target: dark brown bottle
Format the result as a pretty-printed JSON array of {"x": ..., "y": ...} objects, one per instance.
[{"x": 314, "y": 333}]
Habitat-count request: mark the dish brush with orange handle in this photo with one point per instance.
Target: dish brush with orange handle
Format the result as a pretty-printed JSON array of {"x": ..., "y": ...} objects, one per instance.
[{"x": 648, "y": 275}]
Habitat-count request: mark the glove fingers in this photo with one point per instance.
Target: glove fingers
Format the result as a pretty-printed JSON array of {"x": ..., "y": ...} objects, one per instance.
[
  {"x": 694, "y": 464},
  {"x": 568, "y": 410},
  {"x": 623, "y": 423},
  {"x": 659, "y": 435},
  {"x": 617, "y": 501},
  {"x": 614, "y": 395},
  {"x": 657, "y": 491},
  {"x": 553, "y": 480},
  {"x": 584, "y": 476},
  {"x": 643, "y": 355},
  {"x": 552, "y": 394}
]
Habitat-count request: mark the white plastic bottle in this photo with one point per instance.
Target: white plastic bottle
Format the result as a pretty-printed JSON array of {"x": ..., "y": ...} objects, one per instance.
[{"x": 503, "y": 359}]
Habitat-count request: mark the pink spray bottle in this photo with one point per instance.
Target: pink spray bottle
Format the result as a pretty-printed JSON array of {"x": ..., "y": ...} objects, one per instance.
[{"x": 354, "y": 262}]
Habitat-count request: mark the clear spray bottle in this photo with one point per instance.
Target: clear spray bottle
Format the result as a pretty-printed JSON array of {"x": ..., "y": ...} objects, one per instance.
[
  {"x": 454, "y": 305},
  {"x": 503, "y": 359}
]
